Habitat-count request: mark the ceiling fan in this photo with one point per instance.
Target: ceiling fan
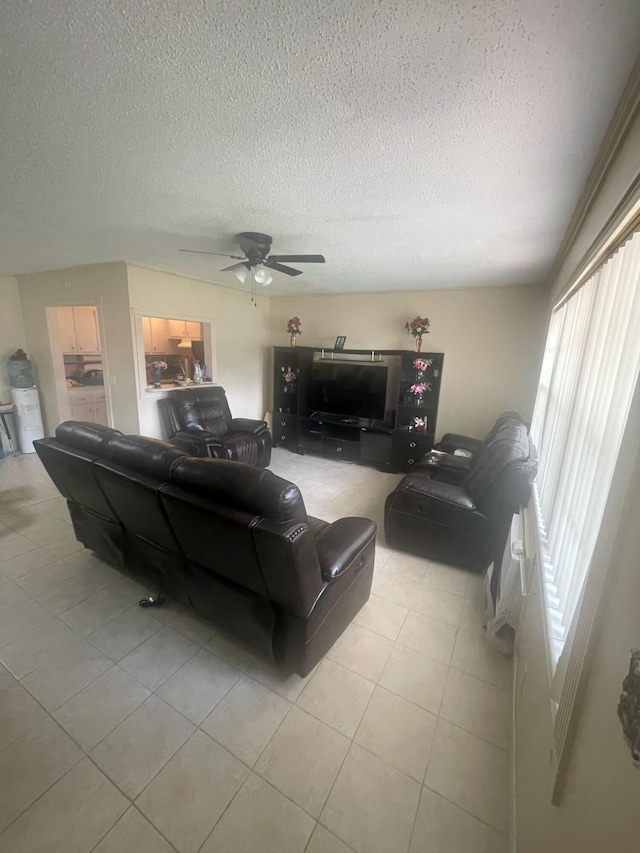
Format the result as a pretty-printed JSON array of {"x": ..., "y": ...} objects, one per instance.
[{"x": 257, "y": 259}]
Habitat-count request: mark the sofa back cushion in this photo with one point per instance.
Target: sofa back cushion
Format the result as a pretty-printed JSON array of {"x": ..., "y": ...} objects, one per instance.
[
  {"x": 504, "y": 471},
  {"x": 202, "y": 409},
  {"x": 131, "y": 473},
  {"x": 254, "y": 491},
  {"x": 68, "y": 457},
  {"x": 246, "y": 525}
]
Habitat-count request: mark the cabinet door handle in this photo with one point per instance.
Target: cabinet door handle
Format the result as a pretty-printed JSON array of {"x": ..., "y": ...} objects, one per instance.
[
  {"x": 410, "y": 461},
  {"x": 412, "y": 444},
  {"x": 338, "y": 450},
  {"x": 283, "y": 423},
  {"x": 283, "y": 437}
]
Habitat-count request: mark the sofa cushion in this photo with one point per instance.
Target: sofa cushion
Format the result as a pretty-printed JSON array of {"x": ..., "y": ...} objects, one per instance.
[
  {"x": 252, "y": 490},
  {"x": 148, "y": 456},
  {"x": 85, "y": 436}
]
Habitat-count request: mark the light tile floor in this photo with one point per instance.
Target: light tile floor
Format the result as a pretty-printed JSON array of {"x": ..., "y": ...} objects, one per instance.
[{"x": 126, "y": 730}]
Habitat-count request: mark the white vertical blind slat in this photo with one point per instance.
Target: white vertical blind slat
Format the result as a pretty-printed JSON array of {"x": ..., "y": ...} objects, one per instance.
[{"x": 589, "y": 371}]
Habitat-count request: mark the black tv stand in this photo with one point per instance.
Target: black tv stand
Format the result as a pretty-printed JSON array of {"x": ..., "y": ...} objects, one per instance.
[
  {"x": 351, "y": 420},
  {"x": 393, "y": 444}
]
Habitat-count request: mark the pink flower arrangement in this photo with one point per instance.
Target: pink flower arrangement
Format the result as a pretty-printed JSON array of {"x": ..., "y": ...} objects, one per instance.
[
  {"x": 158, "y": 365},
  {"x": 422, "y": 364},
  {"x": 293, "y": 326},
  {"x": 418, "y": 388},
  {"x": 289, "y": 374},
  {"x": 418, "y": 326}
]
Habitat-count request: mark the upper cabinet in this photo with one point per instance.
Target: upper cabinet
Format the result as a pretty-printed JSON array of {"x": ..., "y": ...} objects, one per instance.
[
  {"x": 78, "y": 327},
  {"x": 155, "y": 334},
  {"x": 184, "y": 329}
]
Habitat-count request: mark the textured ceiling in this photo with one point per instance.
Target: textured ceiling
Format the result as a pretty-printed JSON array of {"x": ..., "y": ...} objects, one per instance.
[{"x": 416, "y": 143}]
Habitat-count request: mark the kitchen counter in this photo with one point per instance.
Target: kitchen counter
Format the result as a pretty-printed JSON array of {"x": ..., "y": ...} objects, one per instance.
[{"x": 150, "y": 389}]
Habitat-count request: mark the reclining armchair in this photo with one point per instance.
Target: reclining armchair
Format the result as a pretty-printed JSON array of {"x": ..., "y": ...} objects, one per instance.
[{"x": 199, "y": 421}]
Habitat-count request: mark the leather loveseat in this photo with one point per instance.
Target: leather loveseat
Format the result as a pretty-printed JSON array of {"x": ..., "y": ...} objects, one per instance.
[
  {"x": 231, "y": 541},
  {"x": 452, "y": 441},
  {"x": 457, "y": 510},
  {"x": 198, "y": 420}
]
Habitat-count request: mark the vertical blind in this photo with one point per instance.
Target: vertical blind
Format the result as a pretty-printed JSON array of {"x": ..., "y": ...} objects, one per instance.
[{"x": 589, "y": 372}]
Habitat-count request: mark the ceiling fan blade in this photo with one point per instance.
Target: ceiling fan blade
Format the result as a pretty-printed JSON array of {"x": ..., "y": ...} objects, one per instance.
[
  {"x": 299, "y": 259},
  {"x": 235, "y": 266},
  {"x": 273, "y": 265},
  {"x": 219, "y": 254}
]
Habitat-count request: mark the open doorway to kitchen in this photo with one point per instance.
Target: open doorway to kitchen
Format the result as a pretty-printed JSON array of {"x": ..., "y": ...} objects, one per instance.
[
  {"x": 79, "y": 364},
  {"x": 176, "y": 352}
]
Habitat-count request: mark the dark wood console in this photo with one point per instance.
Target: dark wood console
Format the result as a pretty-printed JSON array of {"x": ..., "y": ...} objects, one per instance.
[{"x": 393, "y": 444}]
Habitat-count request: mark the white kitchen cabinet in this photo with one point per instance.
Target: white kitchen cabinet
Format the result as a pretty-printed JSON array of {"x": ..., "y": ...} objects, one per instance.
[
  {"x": 155, "y": 334},
  {"x": 100, "y": 408},
  {"x": 78, "y": 327},
  {"x": 176, "y": 329},
  {"x": 88, "y": 404},
  {"x": 85, "y": 319},
  {"x": 67, "y": 330}
]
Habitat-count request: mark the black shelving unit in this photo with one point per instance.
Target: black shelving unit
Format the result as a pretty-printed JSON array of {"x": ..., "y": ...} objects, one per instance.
[{"x": 393, "y": 445}]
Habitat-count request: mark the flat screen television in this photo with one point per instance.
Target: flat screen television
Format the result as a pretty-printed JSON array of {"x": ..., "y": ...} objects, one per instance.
[{"x": 348, "y": 390}]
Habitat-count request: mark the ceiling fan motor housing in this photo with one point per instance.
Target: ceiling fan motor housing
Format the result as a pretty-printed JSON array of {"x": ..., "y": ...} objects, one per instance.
[{"x": 256, "y": 246}]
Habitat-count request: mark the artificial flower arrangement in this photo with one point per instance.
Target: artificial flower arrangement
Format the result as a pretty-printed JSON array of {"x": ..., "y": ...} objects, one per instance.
[
  {"x": 158, "y": 365},
  {"x": 289, "y": 374},
  {"x": 419, "y": 424},
  {"x": 421, "y": 364},
  {"x": 419, "y": 388},
  {"x": 293, "y": 326},
  {"x": 418, "y": 327}
]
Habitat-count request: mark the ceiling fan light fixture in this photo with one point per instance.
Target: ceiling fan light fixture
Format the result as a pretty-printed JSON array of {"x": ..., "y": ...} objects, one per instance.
[
  {"x": 241, "y": 274},
  {"x": 262, "y": 275}
]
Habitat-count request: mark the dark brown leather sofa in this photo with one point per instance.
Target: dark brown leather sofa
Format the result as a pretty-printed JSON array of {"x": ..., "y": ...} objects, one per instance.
[
  {"x": 457, "y": 510},
  {"x": 198, "y": 420},
  {"x": 231, "y": 541}
]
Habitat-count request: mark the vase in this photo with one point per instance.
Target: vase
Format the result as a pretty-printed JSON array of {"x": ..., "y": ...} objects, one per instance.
[
  {"x": 293, "y": 340},
  {"x": 156, "y": 376},
  {"x": 418, "y": 343},
  {"x": 419, "y": 376},
  {"x": 417, "y": 400}
]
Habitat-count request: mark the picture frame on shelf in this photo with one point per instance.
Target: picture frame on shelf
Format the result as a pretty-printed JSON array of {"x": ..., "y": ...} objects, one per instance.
[{"x": 340, "y": 342}]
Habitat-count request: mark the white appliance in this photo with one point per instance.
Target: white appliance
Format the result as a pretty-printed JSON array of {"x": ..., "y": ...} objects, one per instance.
[
  {"x": 503, "y": 595},
  {"x": 28, "y": 417}
]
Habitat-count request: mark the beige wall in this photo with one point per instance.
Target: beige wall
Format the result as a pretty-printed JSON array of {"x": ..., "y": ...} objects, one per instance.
[
  {"x": 103, "y": 285},
  {"x": 599, "y": 811},
  {"x": 12, "y": 334},
  {"x": 240, "y": 337},
  {"x": 492, "y": 339}
]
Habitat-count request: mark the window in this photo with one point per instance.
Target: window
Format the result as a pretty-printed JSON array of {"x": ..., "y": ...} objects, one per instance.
[{"x": 588, "y": 378}]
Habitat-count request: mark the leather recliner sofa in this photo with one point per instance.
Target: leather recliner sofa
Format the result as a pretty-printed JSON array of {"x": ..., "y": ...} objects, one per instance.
[
  {"x": 199, "y": 421},
  {"x": 452, "y": 441},
  {"x": 231, "y": 541},
  {"x": 462, "y": 515}
]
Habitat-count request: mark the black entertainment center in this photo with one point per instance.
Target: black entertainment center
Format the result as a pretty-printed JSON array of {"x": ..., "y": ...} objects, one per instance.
[{"x": 356, "y": 405}]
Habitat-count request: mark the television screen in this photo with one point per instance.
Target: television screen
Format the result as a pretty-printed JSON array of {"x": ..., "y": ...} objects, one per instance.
[{"x": 351, "y": 390}]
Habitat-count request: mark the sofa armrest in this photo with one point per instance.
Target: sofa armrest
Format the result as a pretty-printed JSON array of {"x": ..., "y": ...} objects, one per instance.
[
  {"x": 247, "y": 425},
  {"x": 439, "y": 492},
  {"x": 340, "y": 543},
  {"x": 437, "y": 461},
  {"x": 453, "y": 441},
  {"x": 199, "y": 443}
]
